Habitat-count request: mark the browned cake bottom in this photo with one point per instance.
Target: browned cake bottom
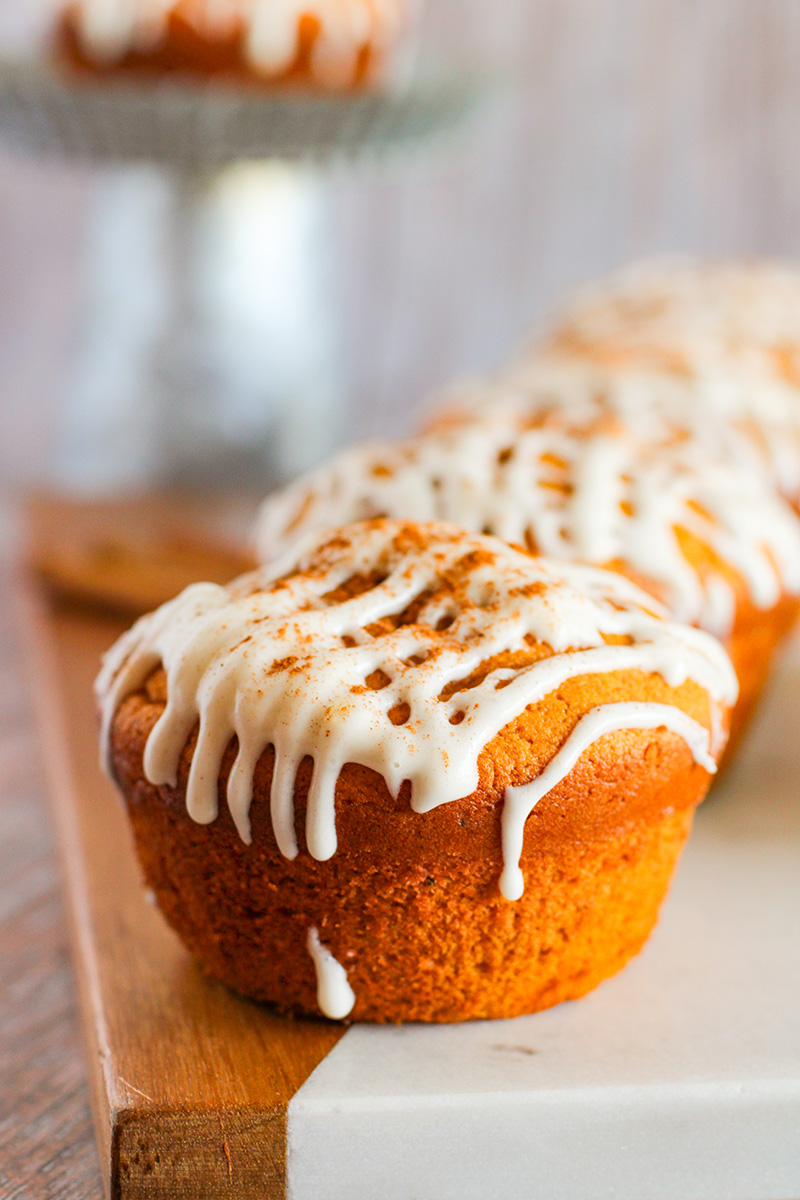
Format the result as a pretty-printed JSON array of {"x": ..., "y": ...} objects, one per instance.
[
  {"x": 409, "y": 904},
  {"x": 418, "y": 946},
  {"x": 752, "y": 647}
]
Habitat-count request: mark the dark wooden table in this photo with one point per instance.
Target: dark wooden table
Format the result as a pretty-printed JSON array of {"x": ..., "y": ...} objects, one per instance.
[{"x": 47, "y": 1149}]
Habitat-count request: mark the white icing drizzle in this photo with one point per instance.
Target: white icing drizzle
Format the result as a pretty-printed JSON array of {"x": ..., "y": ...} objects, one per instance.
[
  {"x": 335, "y": 997},
  {"x": 708, "y": 309},
  {"x": 757, "y": 428},
  {"x": 520, "y": 801},
  {"x": 596, "y": 495},
  {"x": 273, "y": 660},
  {"x": 724, "y": 337},
  {"x": 110, "y": 28}
]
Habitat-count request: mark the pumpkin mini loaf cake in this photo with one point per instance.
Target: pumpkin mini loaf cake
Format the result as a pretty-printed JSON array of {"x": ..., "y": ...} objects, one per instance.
[
  {"x": 413, "y": 774},
  {"x": 329, "y": 44},
  {"x": 656, "y": 407},
  {"x": 726, "y": 333},
  {"x": 713, "y": 542}
]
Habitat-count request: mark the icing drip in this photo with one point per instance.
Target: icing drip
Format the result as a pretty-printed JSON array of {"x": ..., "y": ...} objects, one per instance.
[
  {"x": 598, "y": 496},
  {"x": 721, "y": 338},
  {"x": 286, "y": 660},
  {"x": 335, "y": 997},
  {"x": 110, "y": 28},
  {"x": 520, "y": 801}
]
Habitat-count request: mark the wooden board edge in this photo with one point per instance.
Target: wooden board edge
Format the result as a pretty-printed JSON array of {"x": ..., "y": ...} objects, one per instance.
[
  {"x": 142, "y": 1145},
  {"x": 138, "y": 1146},
  {"x": 38, "y": 645},
  {"x": 242, "y": 1153}
]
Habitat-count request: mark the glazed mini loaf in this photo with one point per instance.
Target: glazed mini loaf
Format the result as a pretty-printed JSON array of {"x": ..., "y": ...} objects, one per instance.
[
  {"x": 726, "y": 333},
  {"x": 656, "y": 407},
  {"x": 331, "y": 44},
  {"x": 717, "y": 545},
  {"x": 413, "y": 774}
]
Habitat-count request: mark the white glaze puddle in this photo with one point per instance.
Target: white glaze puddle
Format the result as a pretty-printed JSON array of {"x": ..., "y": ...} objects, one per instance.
[
  {"x": 272, "y": 661},
  {"x": 601, "y": 498},
  {"x": 335, "y": 997}
]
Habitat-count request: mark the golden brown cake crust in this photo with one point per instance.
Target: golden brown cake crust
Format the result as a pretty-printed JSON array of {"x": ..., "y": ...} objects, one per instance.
[
  {"x": 754, "y": 640},
  {"x": 409, "y": 904},
  {"x": 752, "y": 646}
]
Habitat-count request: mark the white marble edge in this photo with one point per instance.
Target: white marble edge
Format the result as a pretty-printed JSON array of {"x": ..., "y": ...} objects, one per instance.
[{"x": 679, "y": 1079}]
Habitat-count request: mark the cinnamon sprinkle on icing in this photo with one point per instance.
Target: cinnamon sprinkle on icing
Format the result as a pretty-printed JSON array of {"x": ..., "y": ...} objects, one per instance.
[{"x": 282, "y": 658}]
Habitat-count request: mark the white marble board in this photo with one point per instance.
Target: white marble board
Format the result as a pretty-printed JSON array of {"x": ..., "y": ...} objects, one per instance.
[{"x": 677, "y": 1080}]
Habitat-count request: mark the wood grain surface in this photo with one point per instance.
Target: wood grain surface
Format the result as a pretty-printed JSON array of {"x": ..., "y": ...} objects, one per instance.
[
  {"x": 190, "y": 1084},
  {"x": 47, "y": 1145},
  {"x": 130, "y": 555}
]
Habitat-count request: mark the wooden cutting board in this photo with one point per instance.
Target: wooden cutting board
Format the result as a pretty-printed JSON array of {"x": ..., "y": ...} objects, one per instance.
[
  {"x": 679, "y": 1079},
  {"x": 190, "y": 1084}
]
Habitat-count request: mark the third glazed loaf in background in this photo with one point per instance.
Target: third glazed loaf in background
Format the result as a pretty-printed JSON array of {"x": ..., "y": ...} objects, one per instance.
[{"x": 722, "y": 334}]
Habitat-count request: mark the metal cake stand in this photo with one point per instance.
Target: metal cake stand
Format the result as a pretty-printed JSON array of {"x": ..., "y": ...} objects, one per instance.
[{"x": 207, "y": 349}]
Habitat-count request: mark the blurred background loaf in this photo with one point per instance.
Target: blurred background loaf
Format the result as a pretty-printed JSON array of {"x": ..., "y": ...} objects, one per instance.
[{"x": 639, "y": 126}]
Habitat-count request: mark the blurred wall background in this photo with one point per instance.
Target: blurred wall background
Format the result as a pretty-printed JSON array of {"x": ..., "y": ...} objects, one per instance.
[{"x": 634, "y": 126}]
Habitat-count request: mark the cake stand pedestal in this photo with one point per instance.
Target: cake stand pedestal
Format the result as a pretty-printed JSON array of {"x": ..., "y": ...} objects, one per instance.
[{"x": 208, "y": 349}]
